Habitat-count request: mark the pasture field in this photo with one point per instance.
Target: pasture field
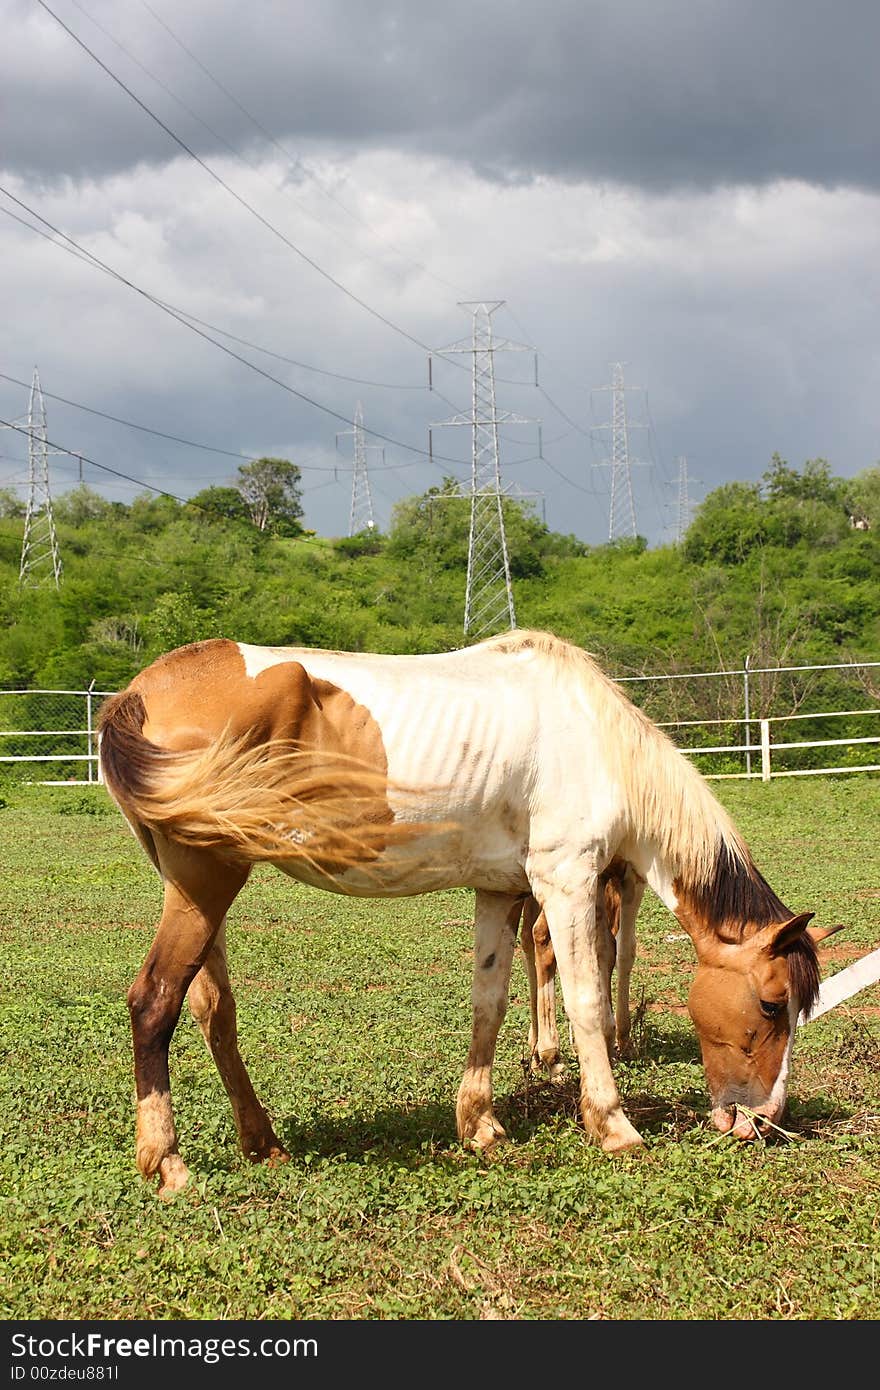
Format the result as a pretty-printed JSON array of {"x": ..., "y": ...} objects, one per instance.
[{"x": 354, "y": 1019}]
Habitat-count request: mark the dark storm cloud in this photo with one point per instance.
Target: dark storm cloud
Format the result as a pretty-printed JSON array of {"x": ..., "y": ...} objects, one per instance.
[{"x": 656, "y": 93}]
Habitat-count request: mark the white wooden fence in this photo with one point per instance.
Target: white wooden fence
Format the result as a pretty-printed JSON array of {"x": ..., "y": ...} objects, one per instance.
[
  {"x": 767, "y": 746},
  {"x": 52, "y": 730},
  {"x": 46, "y": 731},
  {"x": 771, "y": 736}
]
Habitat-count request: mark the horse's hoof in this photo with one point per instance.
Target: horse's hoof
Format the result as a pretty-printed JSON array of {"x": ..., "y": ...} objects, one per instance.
[
  {"x": 173, "y": 1177},
  {"x": 633, "y": 1148},
  {"x": 270, "y": 1151},
  {"x": 487, "y": 1133},
  {"x": 558, "y": 1074},
  {"x": 276, "y": 1156},
  {"x": 621, "y": 1137}
]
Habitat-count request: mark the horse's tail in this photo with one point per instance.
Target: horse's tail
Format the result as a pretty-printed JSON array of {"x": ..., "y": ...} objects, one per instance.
[{"x": 265, "y": 801}]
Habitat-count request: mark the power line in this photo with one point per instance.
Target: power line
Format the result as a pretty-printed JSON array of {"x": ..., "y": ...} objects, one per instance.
[
  {"x": 545, "y": 394},
  {"x": 104, "y": 467},
  {"x": 89, "y": 259},
  {"x": 130, "y": 424},
  {"x": 145, "y": 294},
  {"x": 172, "y": 438},
  {"x": 151, "y": 487},
  {"x": 558, "y": 408},
  {"x": 294, "y": 362},
  {"x": 293, "y": 161},
  {"x": 183, "y": 316},
  {"x": 229, "y": 189},
  {"x": 216, "y": 134},
  {"x": 265, "y": 221}
]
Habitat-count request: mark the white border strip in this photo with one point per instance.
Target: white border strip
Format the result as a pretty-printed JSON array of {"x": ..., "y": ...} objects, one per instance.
[{"x": 845, "y": 983}]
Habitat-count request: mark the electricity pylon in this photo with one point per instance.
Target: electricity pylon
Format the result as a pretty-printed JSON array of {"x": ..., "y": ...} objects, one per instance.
[
  {"x": 361, "y": 514},
  {"x": 40, "y": 556},
  {"x": 488, "y": 603},
  {"x": 684, "y": 506},
  {"x": 622, "y": 515}
]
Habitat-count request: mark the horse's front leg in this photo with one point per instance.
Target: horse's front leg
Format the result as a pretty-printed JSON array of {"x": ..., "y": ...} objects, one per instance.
[
  {"x": 583, "y": 946},
  {"x": 496, "y": 923}
]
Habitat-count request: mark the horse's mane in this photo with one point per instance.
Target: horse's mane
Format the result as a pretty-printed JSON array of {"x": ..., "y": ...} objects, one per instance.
[{"x": 667, "y": 799}]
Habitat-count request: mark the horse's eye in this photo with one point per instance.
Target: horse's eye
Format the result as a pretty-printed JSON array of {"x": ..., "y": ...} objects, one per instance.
[{"x": 770, "y": 1010}]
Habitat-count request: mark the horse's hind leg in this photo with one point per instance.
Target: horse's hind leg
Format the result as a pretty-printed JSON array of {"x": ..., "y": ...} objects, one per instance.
[
  {"x": 541, "y": 971},
  {"x": 213, "y": 1007},
  {"x": 495, "y": 929},
  {"x": 199, "y": 889}
]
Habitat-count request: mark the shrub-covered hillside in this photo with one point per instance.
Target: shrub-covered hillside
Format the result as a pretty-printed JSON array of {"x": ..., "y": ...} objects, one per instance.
[{"x": 786, "y": 571}]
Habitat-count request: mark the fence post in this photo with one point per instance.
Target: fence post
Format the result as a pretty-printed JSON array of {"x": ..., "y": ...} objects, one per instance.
[
  {"x": 765, "y": 750},
  {"x": 90, "y": 764},
  {"x": 747, "y": 713}
]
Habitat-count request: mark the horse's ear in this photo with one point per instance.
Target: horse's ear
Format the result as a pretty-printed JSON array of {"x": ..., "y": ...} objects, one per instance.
[
  {"x": 820, "y": 933},
  {"x": 783, "y": 935}
]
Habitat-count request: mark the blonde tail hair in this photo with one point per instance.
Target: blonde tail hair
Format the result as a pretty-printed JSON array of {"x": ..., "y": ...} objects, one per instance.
[{"x": 267, "y": 801}]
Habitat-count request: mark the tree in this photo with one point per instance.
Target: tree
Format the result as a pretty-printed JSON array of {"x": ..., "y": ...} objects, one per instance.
[
  {"x": 865, "y": 499},
  {"x": 787, "y": 508},
  {"x": 11, "y": 505},
  {"x": 814, "y": 484},
  {"x": 432, "y": 527},
  {"x": 80, "y": 506},
  {"x": 152, "y": 513},
  {"x": 221, "y": 504},
  {"x": 175, "y": 619},
  {"x": 436, "y": 526},
  {"x": 271, "y": 491},
  {"x": 729, "y": 523}
]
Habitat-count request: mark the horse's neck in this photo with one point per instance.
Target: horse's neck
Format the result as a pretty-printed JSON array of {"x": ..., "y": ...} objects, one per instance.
[{"x": 659, "y": 874}]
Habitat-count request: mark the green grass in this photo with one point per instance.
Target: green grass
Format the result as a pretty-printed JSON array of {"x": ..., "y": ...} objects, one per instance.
[{"x": 354, "y": 1020}]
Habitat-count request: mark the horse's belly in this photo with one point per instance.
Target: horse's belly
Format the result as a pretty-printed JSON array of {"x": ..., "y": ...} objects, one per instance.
[{"x": 438, "y": 863}]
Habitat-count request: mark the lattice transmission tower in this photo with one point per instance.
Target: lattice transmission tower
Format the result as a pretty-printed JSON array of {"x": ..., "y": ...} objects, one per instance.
[
  {"x": 622, "y": 514},
  {"x": 361, "y": 515},
  {"x": 684, "y": 505},
  {"x": 40, "y": 556},
  {"x": 488, "y": 604}
]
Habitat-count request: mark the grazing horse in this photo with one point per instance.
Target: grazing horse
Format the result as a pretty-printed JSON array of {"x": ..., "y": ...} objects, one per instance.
[
  {"x": 514, "y": 767},
  {"x": 618, "y": 899}
]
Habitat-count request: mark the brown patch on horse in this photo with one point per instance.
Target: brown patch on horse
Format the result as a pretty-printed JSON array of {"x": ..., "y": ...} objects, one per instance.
[
  {"x": 734, "y": 905},
  {"x": 278, "y": 767}
]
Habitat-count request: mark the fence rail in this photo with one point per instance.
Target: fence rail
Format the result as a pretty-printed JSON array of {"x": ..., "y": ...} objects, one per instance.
[
  {"x": 65, "y": 722},
  {"x": 39, "y": 728},
  {"x": 766, "y": 748}
]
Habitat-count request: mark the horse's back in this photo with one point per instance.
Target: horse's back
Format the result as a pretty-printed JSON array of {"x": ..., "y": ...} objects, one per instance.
[{"x": 453, "y": 736}]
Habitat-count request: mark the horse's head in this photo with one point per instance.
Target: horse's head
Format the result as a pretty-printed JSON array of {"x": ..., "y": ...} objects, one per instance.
[{"x": 744, "y": 1002}]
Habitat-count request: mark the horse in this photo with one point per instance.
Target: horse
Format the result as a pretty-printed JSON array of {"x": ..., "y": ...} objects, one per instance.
[
  {"x": 618, "y": 899},
  {"x": 514, "y": 767}
]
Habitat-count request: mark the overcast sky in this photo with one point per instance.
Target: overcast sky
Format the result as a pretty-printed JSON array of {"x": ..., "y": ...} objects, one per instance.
[{"x": 688, "y": 187}]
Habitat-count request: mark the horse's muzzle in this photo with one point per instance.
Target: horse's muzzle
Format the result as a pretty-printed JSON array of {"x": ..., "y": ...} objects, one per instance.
[{"x": 731, "y": 1120}]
